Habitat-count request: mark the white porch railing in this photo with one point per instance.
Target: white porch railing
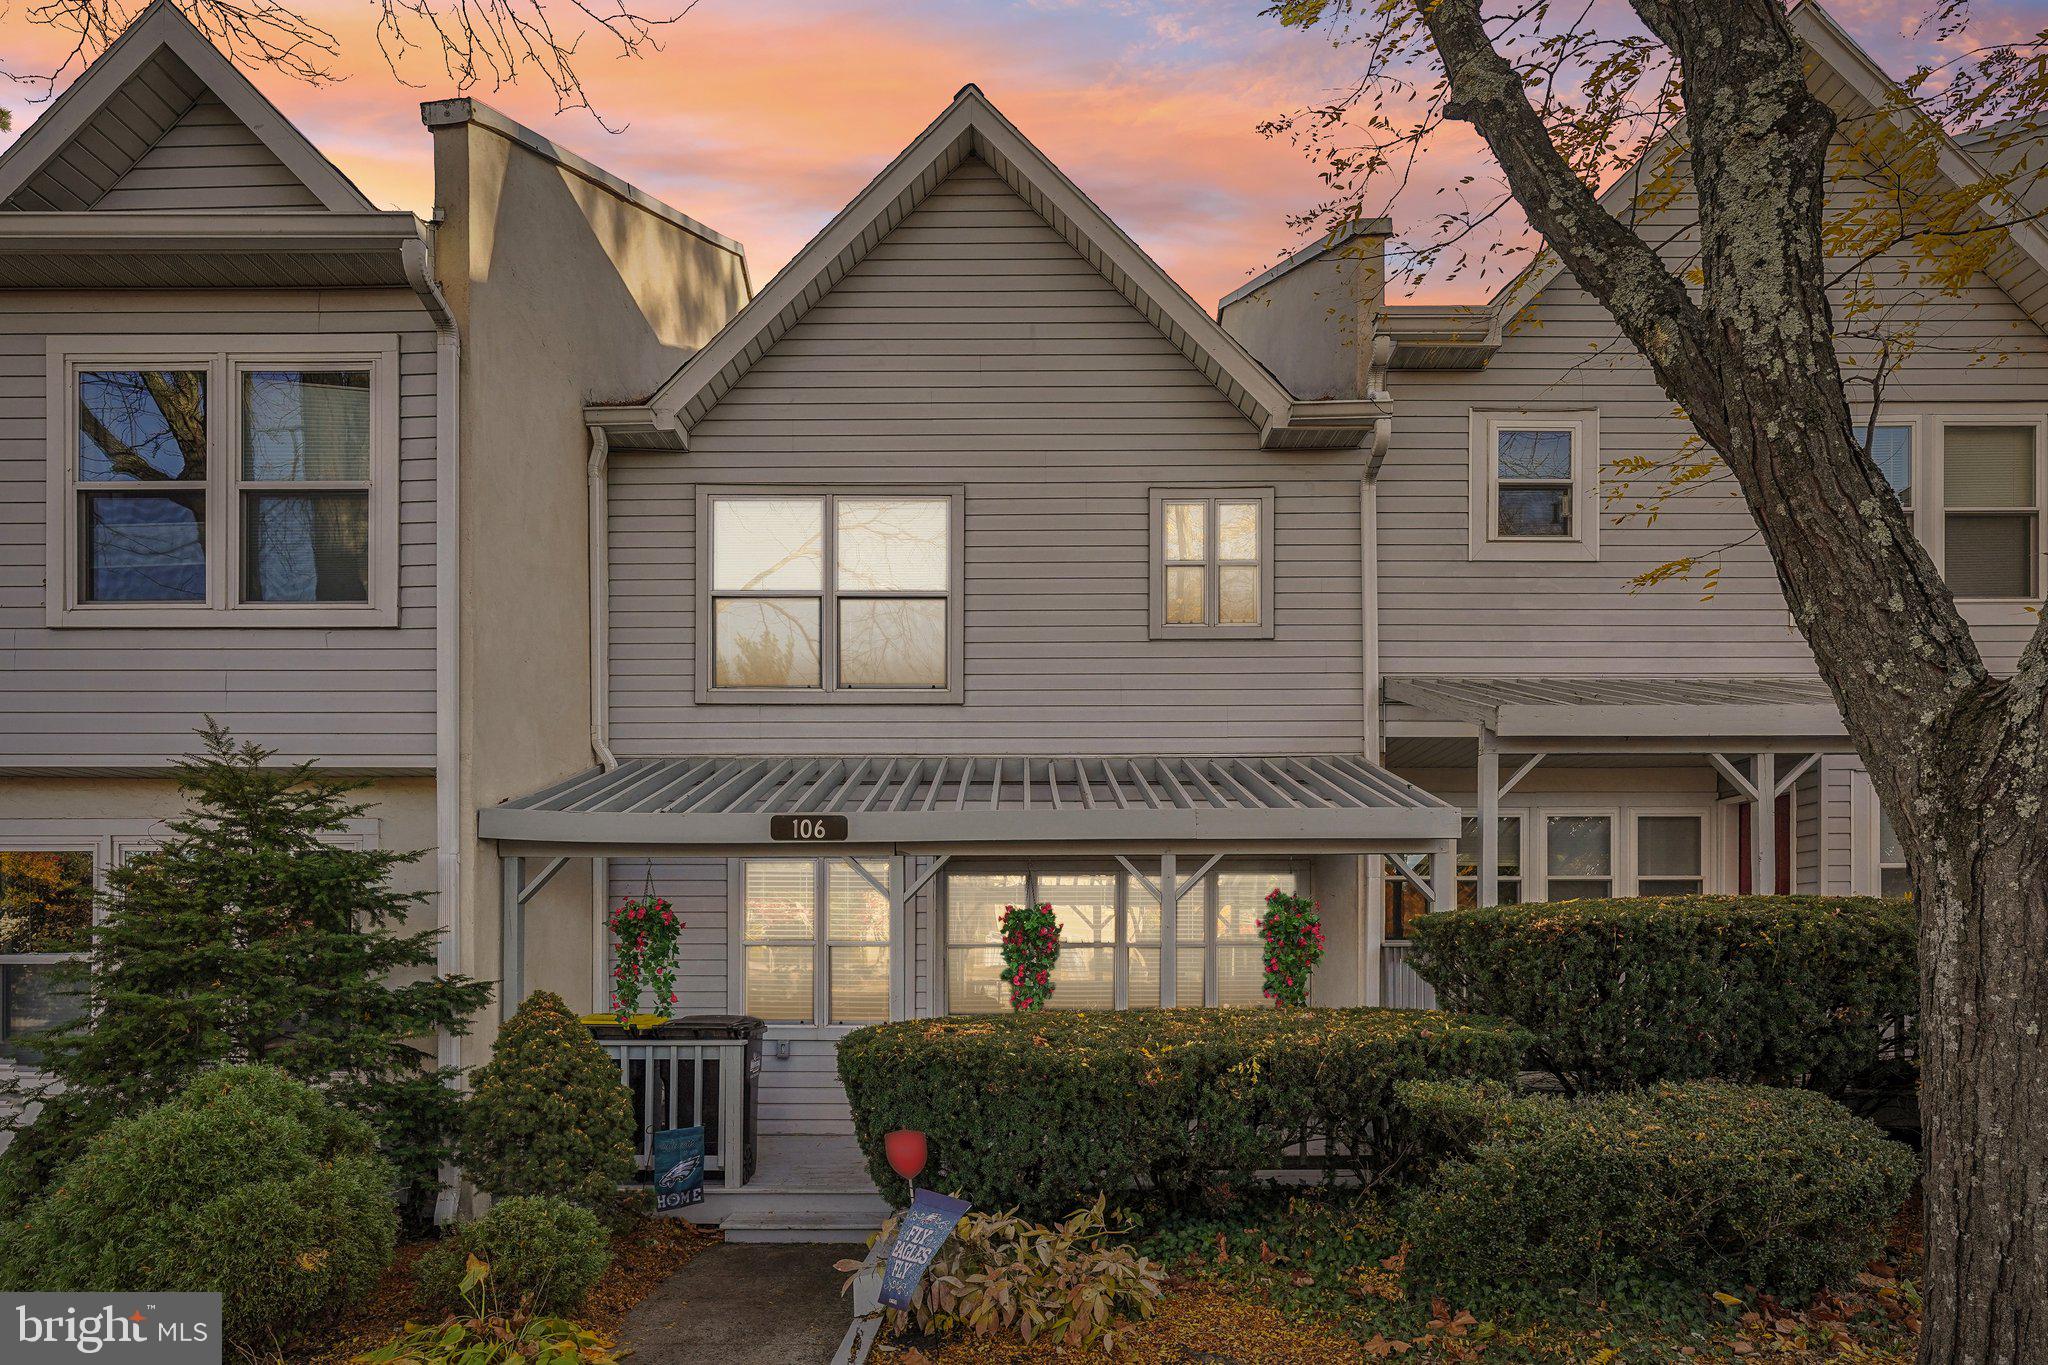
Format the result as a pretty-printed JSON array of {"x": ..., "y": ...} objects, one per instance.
[
  {"x": 1401, "y": 986},
  {"x": 682, "y": 1083}
]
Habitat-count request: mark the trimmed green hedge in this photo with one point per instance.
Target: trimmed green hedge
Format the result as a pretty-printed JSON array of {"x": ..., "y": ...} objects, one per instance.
[
  {"x": 1679, "y": 1187},
  {"x": 244, "y": 1183},
  {"x": 1777, "y": 990},
  {"x": 1042, "y": 1111}
]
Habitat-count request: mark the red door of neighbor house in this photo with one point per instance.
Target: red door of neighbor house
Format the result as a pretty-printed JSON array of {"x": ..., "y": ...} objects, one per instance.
[{"x": 1745, "y": 858}]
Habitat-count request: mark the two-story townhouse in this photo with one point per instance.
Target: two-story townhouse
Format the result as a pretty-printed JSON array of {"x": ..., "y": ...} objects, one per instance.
[
  {"x": 247, "y": 418},
  {"x": 972, "y": 564},
  {"x": 1606, "y": 737}
]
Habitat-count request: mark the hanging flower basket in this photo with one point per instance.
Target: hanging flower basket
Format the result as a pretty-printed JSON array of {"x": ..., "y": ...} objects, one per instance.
[
  {"x": 647, "y": 939},
  {"x": 1031, "y": 949},
  {"x": 1293, "y": 933}
]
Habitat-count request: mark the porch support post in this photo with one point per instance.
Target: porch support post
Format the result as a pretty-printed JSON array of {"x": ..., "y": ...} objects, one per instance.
[
  {"x": 1489, "y": 817},
  {"x": 1763, "y": 840},
  {"x": 1169, "y": 932},
  {"x": 511, "y": 939},
  {"x": 904, "y": 959},
  {"x": 1371, "y": 907},
  {"x": 1443, "y": 881}
]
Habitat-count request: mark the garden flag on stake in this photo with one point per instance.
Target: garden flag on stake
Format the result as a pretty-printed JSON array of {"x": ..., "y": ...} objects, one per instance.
[
  {"x": 925, "y": 1227},
  {"x": 678, "y": 1168}
]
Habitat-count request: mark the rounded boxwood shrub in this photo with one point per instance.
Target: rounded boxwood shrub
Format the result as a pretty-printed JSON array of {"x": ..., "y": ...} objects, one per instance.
[
  {"x": 1040, "y": 1112},
  {"x": 541, "y": 1249},
  {"x": 547, "y": 1114},
  {"x": 246, "y": 1183},
  {"x": 1696, "y": 1187},
  {"x": 1809, "y": 991}
]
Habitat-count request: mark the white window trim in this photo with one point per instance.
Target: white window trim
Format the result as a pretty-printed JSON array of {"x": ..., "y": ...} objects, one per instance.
[
  {"x": 1866, "y": 870},
  {"x": 821, "y": 945},
  {"x": 828, "y": 692},
  {"x": 1482, "y": 519},
  {"x": 1523, "y": 817},
  {"x": 1160, "y": 627},
  {"x": 223, "y": 358},
  {"x": 1708, "y": 841},
  {"x": 96, "y": 847}
]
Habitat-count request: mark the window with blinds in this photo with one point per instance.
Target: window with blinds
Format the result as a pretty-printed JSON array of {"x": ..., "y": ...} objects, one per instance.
[{"x": 1991, "y": 511}]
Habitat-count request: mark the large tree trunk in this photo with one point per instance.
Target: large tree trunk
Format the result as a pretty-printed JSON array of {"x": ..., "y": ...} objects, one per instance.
[{"x": 1955, "y": 755}]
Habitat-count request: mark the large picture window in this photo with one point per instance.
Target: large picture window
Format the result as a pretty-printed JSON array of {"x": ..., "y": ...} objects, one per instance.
[
  {"x": 848, "y": 596},
  {"x": 814, "y": 941},
  {"x": 1110, "y": 937},
  {"x": 254, "y": 483},
  {"x": 46, "y": 897}
]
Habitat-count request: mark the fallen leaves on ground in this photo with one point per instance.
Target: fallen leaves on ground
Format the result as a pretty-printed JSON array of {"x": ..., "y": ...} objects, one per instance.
[{"x": 643, "y": 1256}]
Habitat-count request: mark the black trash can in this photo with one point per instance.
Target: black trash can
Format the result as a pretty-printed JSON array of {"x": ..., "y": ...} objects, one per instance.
[{"x": 693, "y": 1027}]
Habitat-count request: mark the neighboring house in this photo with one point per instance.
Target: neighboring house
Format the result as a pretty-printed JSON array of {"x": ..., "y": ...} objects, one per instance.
[{"x": 231, "y": 441}]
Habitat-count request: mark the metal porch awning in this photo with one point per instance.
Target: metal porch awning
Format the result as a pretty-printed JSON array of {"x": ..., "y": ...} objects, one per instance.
[
  {"x": 929, "y": 803},
  {"x": 1619, "y": 708}
]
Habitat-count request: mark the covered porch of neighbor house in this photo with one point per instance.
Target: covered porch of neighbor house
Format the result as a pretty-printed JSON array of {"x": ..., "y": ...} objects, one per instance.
[
  {"x": 824, "y": 893},
  {"x": 1639, "y": 785}
]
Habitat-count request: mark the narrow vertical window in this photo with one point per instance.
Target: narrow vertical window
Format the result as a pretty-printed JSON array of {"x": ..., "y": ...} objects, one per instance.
[
  {"x": 1891, "y": 450},
  {"x": 305, "y": 485},
  {"x": 1533, "y": 482},
  {"x": 45, "y": 912},
  {"x": 1211, "y": 562},
  {"x": 1990, "y": 512},
  {"x": 857, "y": 944},
  {"x": 1578, "y": 857},
  {"x": 1084, "y": 904},
  {"x": 1670, "y": 860},
  {"x": 1894, "y": 876},
  {"x": 779, "y": 939},
  {"x": 974, "y": 955}
]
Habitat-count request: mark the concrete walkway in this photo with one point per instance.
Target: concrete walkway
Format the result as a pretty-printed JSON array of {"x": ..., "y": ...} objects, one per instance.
[{"x": 745, "y": 1303}]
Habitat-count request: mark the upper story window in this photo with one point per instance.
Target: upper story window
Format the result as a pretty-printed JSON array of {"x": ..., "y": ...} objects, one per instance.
[
  {"x": 1212, "y": 562},
  {"x": 251, "y": 484},
  {"x": 1534, "y": 480},
  {"x": 1975, "y": 499},
  {"x": 849, "y": 596}
]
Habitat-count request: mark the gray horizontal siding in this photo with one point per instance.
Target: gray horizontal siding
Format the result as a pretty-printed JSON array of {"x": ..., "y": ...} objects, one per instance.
[
  {"x": 208, "y": 159},
  {"x": 974, "y": 347},
  {"x": 130, "y": 698},
  {"x": 1441, "y": 613}
]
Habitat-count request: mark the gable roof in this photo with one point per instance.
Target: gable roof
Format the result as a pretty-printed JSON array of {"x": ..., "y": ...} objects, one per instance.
[
  {"x": 160, "y": 73},
  {"x": 1434, "y": 336},
  {"x": 972, "y": 127}
]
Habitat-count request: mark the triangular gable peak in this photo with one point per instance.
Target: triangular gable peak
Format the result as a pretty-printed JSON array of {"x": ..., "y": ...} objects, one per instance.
[
  {"x": 112, "y": 140},
  {"x": 1854, "y": 85},
  {"x": 972, "y": 127}
]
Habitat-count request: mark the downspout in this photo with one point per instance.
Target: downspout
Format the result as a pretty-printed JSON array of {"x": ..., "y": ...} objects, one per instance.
[
  {"x": 600, "y": 599},
  {"x": 448, "y": 831}
]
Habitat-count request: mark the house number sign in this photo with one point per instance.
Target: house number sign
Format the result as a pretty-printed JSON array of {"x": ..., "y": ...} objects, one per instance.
[{"x": 807, "y": 829}]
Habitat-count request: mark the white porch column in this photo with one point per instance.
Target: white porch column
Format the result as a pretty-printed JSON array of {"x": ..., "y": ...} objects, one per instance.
[
  {"x": 1443, "y": 881},
  {"x": 1489, "y": 817},
  {"x": 1763, "y": 825},
  {"x": 511, "y": 939},
  {"x": 1372, "y": 905},
  {"x": 1169, "y": 933}
]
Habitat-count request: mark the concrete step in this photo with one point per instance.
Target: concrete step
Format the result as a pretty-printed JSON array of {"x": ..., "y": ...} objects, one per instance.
[{"x": 769, "y": 1215}]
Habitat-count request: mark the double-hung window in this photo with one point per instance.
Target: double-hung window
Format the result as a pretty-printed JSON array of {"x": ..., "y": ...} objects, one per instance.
[
  {"x": 1578, "y": 857},
  {"x": 851, "y": 596},
  {"x": 46, "y": 895},
  {"x": 1212, "y": 553},
  {"x": 1534, "y": 484},
  {"x": 1670, "y": 855},
  {"x": 1507, "y": 861},
  {"x": 1991, "y": 520},
  {"x": 814, "y": 941},
  {"x": 245, "y": 482}
]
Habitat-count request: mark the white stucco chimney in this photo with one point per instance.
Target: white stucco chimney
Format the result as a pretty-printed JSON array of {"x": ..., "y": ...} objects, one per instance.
[{"x": 1310, "y": 319}]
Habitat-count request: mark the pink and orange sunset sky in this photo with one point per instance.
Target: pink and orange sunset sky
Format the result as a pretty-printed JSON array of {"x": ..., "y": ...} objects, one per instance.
[{"x": 762, "y": 117}]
